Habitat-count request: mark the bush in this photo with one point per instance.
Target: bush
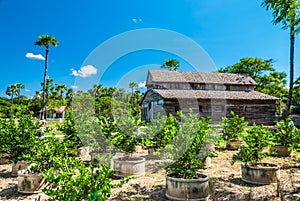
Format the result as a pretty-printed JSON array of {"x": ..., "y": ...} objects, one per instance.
[
  {"x": 233, "y": 127},
  {"x": 257, "y": 140},
  {"x": 18, "y": 135},
  {"x": 75, "y": 182}
]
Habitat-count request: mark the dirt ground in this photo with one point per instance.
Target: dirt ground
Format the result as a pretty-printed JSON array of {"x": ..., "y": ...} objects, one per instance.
[{"x": 225, "y": 181}]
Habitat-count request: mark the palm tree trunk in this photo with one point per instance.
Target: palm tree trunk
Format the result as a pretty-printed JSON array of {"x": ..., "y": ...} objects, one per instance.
[
  {"x": 45, "y": 85},
  {"x": 290, "y": 96},
  {"x": 19, "y": 90},
  {"x": 12, "y": 101}
]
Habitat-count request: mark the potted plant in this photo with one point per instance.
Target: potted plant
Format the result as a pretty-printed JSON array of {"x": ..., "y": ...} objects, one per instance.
[
  {"x": 159, "y": 133},
  {"x": 19, "y": 134},
  {"x": 183, "y": 179},
  {"x": 122, "y": 132},
  {"x": 232, "y": 130},
  {"x": 46, "y": 154},
  {"x": 75, "y": 181},
  {"x": 254, "y": 171},
  {"x": 285, "y": 137}
]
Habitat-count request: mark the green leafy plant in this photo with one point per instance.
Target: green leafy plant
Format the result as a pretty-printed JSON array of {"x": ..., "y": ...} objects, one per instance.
[
  {"x": 194, "y": 133},
  {"x": 121, "y": 132},
  {"x": 233, "y": 127},
  {"x": 286, "y": 134},
  {"x": 18, "y": 135},
  {"x": 75, "y": 182},
  {"x": 70, "y": 131},
  {"x": 257, "y": 141},
  {"x": 160, "y": 132},
  {"x": 47, "y": 153}
]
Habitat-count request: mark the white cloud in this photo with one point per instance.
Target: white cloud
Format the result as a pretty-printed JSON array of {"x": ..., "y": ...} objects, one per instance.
[
  {"x": 142, "y": 84},
  {"x": 84, "y": 71},
  {"x": 135, "y": 20},
  {"x": 30, "y": 55},
  {"x": 74, "y": 87},
  {"x": 27, "y": 90}
]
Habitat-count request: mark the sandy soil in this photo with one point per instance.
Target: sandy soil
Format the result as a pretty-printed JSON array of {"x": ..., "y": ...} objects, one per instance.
[{"x": 225, "y": 181}]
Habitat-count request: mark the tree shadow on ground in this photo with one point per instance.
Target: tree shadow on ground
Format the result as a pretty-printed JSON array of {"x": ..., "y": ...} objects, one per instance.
[
  {"x": 12, "y": 193},
  {"x": 5, "y": 174},
  {"x": 137, "y": 192}
]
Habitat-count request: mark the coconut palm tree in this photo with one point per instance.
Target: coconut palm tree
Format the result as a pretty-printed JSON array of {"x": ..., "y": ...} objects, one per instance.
[
  {"x": 11, "y": 91},
  {"x": 170, "y": 64},
  {"x": 46, "y": 41},
  {"x": 60, "y": 89},
  {"x": 287, "y": 12},
  {"x": 19, "y": 86}
]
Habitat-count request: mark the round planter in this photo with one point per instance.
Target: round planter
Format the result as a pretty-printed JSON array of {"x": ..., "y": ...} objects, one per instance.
[
  {"x": 187, "y": 189},
  {"x": 30, "y": 183},
  {"x": 261, "y": 173},
  {"x": 129, "y": 166},
  {"x": 233, "y": 144},
  {"x": 19, "y": 165},
  {"x": 83, "y": 153},
  {"x": 281, "y": 151}
]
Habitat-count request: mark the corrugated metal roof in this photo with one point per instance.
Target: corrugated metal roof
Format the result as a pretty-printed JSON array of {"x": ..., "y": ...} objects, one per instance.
[
  {"x": 211, "y": 94},
  {"x": 160, "y": 76}
]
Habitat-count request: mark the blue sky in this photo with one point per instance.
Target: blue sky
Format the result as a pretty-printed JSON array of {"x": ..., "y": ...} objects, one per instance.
[{"x": 226, "y": 30}]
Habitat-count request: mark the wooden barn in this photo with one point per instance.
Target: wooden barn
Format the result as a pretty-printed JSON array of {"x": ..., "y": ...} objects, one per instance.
[{"x": 208, "y": 94}]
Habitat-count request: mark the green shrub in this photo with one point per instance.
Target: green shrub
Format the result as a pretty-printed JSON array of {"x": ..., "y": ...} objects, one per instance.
[
  {"x": 233, "y": 127},
  {"x": 75, "y": 182},
  {"x": 257, "y": 141}
]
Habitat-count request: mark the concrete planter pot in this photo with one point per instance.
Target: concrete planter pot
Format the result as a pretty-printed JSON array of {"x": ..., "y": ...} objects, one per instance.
[
  {"x": 261, "y": 173},
  {"x": 29, "y": 183},
  {"x": 281, "y": 151},
  {"x": 19, "y": 165},
  {"x": 233, "y": 144},
  {"x": 187, "y": 189},
  {"x": 126, "y": 166}
]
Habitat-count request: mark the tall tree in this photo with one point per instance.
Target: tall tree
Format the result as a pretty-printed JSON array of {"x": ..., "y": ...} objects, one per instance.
[
  {"x": 287, "y": 13},
  {"x": 170, "y": 64},
  {"x": 132, "y": 86},
  {"x": 46, "y": 41},
  {"x": 11, "y": 91},
  {"x": 268, "y": 80},
  {"x": 60, "y": 89},
  {"x": 19, "y": 86}
]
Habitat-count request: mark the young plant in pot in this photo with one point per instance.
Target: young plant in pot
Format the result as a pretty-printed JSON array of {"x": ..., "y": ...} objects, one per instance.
[
  {"x": 183, "y": 179},
  {"x": 19, "y": 134},
  {"x": 46, "y": 154},
  {"x": 160, "y": 132},
  {"x": 254, "y": 171},
  {"x": 75, "y": 181},
  {"x": 285, "y": 137},
  {"x": 122, "y": 133},
  {"x": 232, "y": 130}
]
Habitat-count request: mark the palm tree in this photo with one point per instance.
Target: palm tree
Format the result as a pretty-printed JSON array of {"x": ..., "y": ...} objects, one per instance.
[
  {"x": 19, "y": 86},
  {"x": 170, "y": 64},
  {"x": 11, "y": 91},
  {"x": 46, "y": 41},
  {"x": 287, "y": 13},
  {"x": 132, "y": 85},
  {"x": 60, "y": 88}
]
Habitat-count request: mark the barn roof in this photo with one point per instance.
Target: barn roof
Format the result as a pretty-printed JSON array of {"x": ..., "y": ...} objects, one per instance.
[
  {"x": 161, "y": 76},
  {"x": 210, "y": 94}
]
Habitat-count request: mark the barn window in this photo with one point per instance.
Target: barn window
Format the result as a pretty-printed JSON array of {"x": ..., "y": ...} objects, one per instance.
[
  {"x": 200, "y": 108},
  {"x": 177, "y": 108}
]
